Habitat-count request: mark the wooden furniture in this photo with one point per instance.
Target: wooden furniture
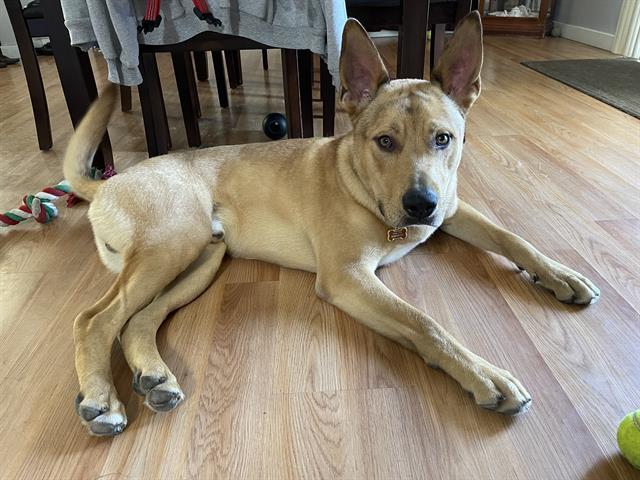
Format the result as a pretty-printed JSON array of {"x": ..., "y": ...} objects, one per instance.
[
  {"x": 79, "y": 87},
  {"x": 152, "y": 102},
  {"x": 535, "y": 26},
  {"x": 24, "y": 29},
  {"x": 411, "y": 18}
]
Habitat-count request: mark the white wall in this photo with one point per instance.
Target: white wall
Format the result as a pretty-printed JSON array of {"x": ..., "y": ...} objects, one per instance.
[
  {"x": 7, "y": 39},
  {"x": 588, "y": 21}
]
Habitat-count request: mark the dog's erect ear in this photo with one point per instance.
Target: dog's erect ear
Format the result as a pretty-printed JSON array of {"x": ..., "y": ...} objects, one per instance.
[
  {"x": 361, "y": 68},
  {"x": 458, "y": 69}
]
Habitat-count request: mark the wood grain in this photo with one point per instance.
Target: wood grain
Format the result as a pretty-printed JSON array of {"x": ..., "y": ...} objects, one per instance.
[{"x": 280, "y": 384}]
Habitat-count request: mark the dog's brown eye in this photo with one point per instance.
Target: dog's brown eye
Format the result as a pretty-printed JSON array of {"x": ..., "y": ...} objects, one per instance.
[
  {"x": 442, "y": 140},
  {"x": 386, "y": 143}
]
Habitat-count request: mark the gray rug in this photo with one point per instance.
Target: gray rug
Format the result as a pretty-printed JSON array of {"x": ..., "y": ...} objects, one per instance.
[{"x": 612, "y": 81}]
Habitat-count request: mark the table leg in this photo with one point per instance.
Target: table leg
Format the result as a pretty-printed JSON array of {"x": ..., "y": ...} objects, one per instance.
[
  {"x": 414, "y": 37},
  {"x": 76, "y": 76}
]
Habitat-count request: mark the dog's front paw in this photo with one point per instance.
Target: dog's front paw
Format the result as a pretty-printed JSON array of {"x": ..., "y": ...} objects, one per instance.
[
  {"x": 101, "y": 412},
  {"x": 496, "y": 389},
  {"x": 567, "y": 285},
  {"x": 160, "y": 389}
]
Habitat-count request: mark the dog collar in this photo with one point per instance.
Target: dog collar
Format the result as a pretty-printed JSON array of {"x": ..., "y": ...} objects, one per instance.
[{"x": 394, "y": 234}]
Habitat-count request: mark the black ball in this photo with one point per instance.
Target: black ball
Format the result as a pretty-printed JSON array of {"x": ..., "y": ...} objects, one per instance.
[{"x": 274, "y": 126}]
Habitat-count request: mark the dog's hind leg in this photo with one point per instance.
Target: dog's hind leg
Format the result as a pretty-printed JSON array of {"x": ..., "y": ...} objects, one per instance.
[
  {"x": 146, "y": 272},
  {"x": 151, "y": 376}
]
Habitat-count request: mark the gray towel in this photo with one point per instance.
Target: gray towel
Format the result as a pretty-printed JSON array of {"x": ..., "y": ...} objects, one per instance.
[{"x": 111, "y": 25}]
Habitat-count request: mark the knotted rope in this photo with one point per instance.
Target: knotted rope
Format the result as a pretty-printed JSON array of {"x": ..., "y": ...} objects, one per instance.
[{"x": 40, "y": 206}]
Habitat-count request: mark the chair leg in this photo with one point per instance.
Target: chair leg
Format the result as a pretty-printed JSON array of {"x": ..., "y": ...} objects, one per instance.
[
  {"x": 202, "y": 69},
  {"x": 291, "y": 92},
  {"x": 193, "y": 86},
  {"x": 305, "y": 76},
  {"x": 234, "y": 70},
  {"x": 125, "y": 98},
  {"x": 221, "y": 82},
  {"x": 238, "y": 65},
  {"x": 265, "y": 59},
  {"x": 76, "y": 77},
  {"x": 328, "y": 95},
  {"x": 414, "y": 37},
  {"x": 181, "y": 65},
  {"x": 153, "y": 109},
  {"x": 32, "y": 74},
  {"x": 437, "y": 44}
]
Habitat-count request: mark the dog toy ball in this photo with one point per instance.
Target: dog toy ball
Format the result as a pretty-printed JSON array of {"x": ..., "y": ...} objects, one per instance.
[
  {"x": 629, "y": 438},
  {"x": 274, "y": 126}
]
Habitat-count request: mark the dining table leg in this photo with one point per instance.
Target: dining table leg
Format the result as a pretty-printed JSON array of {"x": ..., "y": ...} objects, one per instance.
[{"x": 414, "y": 38}]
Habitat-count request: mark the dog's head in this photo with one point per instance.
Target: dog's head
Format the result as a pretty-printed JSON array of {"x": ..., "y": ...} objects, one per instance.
[{"x": 408, "y": 134}]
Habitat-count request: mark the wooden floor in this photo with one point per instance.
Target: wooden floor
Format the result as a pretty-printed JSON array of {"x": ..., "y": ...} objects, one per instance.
[{"x": 280, "y": 384}]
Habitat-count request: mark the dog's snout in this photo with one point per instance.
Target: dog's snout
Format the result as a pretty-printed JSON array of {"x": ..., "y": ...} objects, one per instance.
[{"x": 419, "y": 203}]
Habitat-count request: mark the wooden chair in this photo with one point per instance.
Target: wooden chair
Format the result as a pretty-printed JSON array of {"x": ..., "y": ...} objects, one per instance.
[
  {"x": 27, "y": 24},
  {"x": 152, "y": 102}
]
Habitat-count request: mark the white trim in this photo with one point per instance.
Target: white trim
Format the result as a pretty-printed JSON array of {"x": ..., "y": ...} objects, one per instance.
[
  {"x": 591, "y": 37},
  {"x": 10, "y": 51},
  {"x": 627, "y": 38}
]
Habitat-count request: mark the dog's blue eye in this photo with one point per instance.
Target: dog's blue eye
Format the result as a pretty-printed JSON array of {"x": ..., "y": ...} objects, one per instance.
[
  {"x": 385, "y": 143},
  {"x": 442, "y": 140}
]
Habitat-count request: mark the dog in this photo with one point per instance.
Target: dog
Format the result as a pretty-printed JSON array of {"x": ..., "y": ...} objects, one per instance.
[{"x": 340, "y": 207}]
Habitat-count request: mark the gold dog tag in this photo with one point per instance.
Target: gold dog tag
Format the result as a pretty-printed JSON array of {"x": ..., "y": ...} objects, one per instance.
[{"x": 396, "y": 233}]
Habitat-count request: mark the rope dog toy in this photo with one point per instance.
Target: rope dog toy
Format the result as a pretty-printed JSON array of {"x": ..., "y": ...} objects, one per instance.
[{"x": 40, "y": 206}]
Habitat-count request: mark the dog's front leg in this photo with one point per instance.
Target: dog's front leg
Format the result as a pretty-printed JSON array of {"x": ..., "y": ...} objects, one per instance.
[
  {"x": 567, "y": 285},
  {"x": 356, "y": 290}
]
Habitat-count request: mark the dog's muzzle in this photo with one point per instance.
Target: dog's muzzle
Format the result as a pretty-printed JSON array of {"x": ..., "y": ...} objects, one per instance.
[{"x": 420, "y": 205}]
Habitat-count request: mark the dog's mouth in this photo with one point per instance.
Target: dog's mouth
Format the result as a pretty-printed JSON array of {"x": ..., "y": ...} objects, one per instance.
[
  {"x": 431, "y": 221},
  {"x": 406, "y": 221}
]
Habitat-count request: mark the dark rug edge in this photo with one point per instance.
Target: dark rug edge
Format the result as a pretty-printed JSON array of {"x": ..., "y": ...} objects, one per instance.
[{"x": 617, "y": 106}]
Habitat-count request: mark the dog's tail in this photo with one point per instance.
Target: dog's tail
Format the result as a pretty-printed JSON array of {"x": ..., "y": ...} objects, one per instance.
[{"x": 84, "y": 143}]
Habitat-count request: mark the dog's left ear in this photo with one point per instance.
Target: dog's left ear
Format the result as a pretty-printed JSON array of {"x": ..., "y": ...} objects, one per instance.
[
  {"x": 458, "y": 69},
  {"x": 361, "y": 68}
]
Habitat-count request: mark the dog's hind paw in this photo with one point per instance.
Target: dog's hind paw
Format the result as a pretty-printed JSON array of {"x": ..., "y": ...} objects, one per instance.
[
  {"x": 103, "y": 415},
  {"x": 161, "y": 391}
]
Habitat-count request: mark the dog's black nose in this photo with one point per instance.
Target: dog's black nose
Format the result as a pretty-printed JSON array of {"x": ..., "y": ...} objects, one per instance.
[{"x": 419, "y": 203}]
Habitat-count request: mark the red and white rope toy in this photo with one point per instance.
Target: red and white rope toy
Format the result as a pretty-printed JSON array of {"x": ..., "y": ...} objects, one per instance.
[{"x": 40, "y": 206}]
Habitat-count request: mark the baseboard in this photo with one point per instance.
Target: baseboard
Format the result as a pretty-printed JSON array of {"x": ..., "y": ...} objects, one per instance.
[
  {"x": 12, "y": 50},
  {"x": 591, "y": 37}
]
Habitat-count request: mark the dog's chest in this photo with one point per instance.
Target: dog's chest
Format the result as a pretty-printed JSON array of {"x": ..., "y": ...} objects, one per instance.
[{"x": 396, "y": 249}]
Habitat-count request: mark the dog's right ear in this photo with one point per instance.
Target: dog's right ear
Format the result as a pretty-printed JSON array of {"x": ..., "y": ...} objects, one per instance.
[{"x": 361, "y": 68}]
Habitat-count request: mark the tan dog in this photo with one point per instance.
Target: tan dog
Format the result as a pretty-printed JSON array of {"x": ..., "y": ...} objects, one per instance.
[{"x": 386, "y": 186}]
